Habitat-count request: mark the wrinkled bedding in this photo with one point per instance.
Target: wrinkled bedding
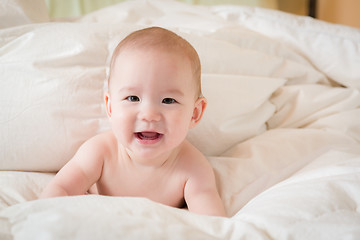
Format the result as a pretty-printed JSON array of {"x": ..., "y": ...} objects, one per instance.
[{"x": 282, "y": 127}]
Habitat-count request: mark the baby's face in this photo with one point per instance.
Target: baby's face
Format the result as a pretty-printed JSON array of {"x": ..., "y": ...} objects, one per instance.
[{"x": 152, "y": 101}]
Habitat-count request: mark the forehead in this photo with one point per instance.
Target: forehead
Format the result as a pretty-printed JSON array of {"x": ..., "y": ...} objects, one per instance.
[
  {"x": 153, "y": 52},
  {"x": 151, "y": 59},
  {"x": 139, "y": 66}
]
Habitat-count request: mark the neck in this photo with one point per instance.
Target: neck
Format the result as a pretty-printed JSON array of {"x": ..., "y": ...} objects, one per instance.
[{"x": 150, "y": 164}]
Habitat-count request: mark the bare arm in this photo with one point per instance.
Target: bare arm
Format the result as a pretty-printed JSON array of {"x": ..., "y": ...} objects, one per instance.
[
  {"x": 79, "y": 174},
  {"x": 201, "y": 194}
]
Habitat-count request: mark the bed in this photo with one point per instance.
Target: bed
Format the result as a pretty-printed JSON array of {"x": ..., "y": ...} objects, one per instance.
[{"x": 282, "y": 127}]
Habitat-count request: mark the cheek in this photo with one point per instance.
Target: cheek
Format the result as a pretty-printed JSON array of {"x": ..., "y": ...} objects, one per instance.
[
  {"x": 180, "y": 122},
  {"x": 122, "y": 123}
]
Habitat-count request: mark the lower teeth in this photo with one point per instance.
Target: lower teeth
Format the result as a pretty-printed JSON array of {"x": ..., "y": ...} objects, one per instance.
[{"x": 142, "y": 136}]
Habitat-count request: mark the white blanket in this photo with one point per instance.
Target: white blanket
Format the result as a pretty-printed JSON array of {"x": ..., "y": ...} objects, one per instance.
[{"x": 282, "y": 129}]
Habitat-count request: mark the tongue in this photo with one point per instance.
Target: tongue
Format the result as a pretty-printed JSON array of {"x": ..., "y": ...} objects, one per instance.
[{"x": 149, "y": 135}]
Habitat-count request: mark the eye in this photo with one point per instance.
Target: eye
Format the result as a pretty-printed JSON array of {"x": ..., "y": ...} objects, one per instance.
[
  {"x": 133, "y": 98},
  {"x": 169, "y": 101}
]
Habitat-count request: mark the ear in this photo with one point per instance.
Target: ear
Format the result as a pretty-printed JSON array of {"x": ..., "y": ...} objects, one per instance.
[
  {"x": 198, "y": 112},
  {"x": 108, "y": 104}
]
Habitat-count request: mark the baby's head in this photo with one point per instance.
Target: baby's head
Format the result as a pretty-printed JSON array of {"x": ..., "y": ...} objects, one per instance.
[
  {"x": 154, "y": 95},
  {"x": 159, "y": 39}
]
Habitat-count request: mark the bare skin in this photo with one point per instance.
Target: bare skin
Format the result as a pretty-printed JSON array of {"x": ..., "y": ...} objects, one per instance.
[{"x": 177, "y": 180}]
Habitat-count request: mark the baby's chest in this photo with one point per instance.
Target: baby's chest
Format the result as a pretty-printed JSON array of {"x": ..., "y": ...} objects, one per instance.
[{"x": 164, "y": 188}]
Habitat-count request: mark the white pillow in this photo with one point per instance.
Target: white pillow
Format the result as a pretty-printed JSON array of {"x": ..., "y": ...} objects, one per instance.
[
  {"x": 20, "y": 12},
  {"x": 52, "y": 84},
  {"x": 238, "y": 108}
]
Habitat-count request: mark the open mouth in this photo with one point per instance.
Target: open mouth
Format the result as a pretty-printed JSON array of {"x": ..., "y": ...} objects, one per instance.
[{"x": 148, "y": 137}]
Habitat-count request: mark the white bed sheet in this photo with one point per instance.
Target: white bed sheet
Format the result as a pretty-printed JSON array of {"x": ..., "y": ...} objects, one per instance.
[{"x": 281, "y": 131}]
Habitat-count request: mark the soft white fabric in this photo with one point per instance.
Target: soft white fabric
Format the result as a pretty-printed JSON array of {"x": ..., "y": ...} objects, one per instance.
[
  {"x": 20, "y": 12},
  {"x": 318, "y": 202},
  {"x": 280, "y": 130},
  {"x": 333, "y": 49},
  {"x": 52, "y": 103},
  {"x": 18, "y": 187},
  {"x": 292, "y": 103},
  {"x": 229, "y": 118},
  {"x": 51, "y": 94}
]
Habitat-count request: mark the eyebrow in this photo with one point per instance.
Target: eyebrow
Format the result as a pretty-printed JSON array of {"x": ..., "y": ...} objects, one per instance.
[
  {"x": 170, "y": 92},
  {"x": 128, "y": 89},
  {"x": 167, "y": 91},
  {"x": 175, "y": 92}
]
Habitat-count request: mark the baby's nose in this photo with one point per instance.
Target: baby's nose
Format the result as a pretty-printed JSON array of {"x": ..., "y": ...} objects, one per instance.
[{"x": 150, "y": 113}]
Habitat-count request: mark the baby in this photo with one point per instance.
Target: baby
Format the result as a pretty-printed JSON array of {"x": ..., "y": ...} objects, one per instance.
[{"x": 154, "y": 98}]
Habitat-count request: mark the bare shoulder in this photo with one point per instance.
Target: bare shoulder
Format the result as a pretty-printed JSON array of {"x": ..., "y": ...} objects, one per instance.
[
  {"x": 102, "y": 144},
  {"x": 193, "y": 154},
  {"x": 195, "y": 162},
  {"x": 84, "y": 169},
  {"x": 93, "y": 153}
]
